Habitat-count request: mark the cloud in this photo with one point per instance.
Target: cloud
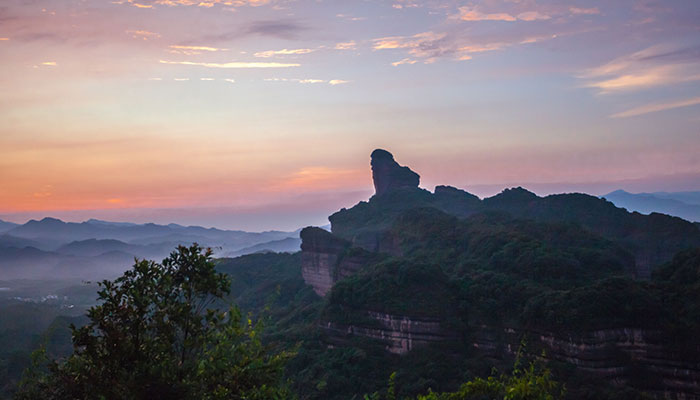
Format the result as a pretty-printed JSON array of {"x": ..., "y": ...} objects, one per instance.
[
  {"x": 533, "y": 16},
  {"x": 198, "y": 3},
  {"x": 276, "y": 28},
  {"x": 658, "y": 65},
  {"x": 49, "y": 63},
  {"x": 351, "y": 45},
  {"x": 229, "y": 80},
  {"x": 423, "y": 45},
  {"x": 283, "y": 52},
  {"x": 350, "y": 17},
  {"x": 467, "y": 13},
  {"x": 472, "y": 14},
  {"x": 404, "y": 61},
  {"x": 234, "y": 64},
  {"x": 281, "y": 29},
  {"x": 429, "y": 46},
  {"x": 651, "y": 108},
  {"x": 143, "y": 34},
  {"x": 206, "y": 79},
  {"x": 4, "y": 39},
  {"x": 193, "y": 50},
  {"x": 331, "y": 82},
  {"x": 584, "y": 11}
]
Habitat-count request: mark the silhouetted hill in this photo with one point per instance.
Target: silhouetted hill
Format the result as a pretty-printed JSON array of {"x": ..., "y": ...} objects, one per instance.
[
  {"x": 6, "y": 226},
  {"x": 452, "y": 282},
  {"x": 653, "y": 239},
  {"x": 99, "y": 249},
  {"x": 287, "y": 245},
  {"x": 685, "y": 205},
  {"x": 96, "y": 247}
]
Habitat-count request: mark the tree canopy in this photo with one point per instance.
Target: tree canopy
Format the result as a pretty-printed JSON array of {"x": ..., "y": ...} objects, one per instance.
[{"x": 161, "y": 330}]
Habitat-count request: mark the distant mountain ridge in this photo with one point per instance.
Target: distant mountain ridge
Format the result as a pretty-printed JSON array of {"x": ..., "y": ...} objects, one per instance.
[
  {"x": 6, "y": 226},
  {"x": 685, "y": 205},
  {"x": 95, "y": 249}
]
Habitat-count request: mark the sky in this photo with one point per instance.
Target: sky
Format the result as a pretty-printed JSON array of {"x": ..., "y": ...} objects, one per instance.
[{"x": 261, "y": 114}]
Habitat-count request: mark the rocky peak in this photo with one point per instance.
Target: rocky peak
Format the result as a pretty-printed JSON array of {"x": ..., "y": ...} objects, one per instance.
[{"x": 388, "y": 175}]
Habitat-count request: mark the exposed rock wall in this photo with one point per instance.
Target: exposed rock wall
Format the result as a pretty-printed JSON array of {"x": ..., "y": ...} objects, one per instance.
[
  {"x": 320, "y": 251},
  {"x": 388, "y": 175},
  {"x": 325, "y": 259},
  {"x": 609, "y": 355},
  {"x": 400, "y": 333}
]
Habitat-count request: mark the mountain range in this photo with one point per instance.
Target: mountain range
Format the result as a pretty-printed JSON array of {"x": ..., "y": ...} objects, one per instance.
[
  {"x": 51, "y": 248},
  {"x": 685, "y": 205}
]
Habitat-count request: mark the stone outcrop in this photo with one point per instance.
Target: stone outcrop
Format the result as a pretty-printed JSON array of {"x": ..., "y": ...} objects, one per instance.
[
  {"x": 612, "y": 355},
  {"x": 325, "y": 259},
  {"x": 401, "y": 333},
  {"x": 388, "y": 175}
]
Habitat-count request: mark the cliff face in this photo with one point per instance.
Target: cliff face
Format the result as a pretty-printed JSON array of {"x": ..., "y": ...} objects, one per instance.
[
  {"x": 420, "y": 262},
  {"x": 621, "y": 356},
  {"x": 326, "y": 259},
  {"x": 320, "y": 252},
  {"x": 400, "y": 333},
  {"x": 389, "y": 176}
]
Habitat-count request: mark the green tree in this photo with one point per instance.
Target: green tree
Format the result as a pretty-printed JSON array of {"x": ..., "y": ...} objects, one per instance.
[
  {"x": 533, "y": 382},
  {"x": 160, "y": 331}
]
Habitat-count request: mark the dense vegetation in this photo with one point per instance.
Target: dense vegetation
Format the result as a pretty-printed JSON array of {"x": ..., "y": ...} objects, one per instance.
[
  {"x": 479, "y": 273},
  {"x": 487, "y": 269},
  {"x": 156, "y": 334}
]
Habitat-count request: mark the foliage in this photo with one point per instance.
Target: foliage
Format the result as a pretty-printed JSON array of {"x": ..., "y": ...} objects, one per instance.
[
  {"x": 533, "y": 382},
  {"x": 155, "y": 335}
]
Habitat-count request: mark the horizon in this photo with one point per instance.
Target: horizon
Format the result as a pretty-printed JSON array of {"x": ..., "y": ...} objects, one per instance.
[
  {"x": 261, "y": 114},
  {"x": 258, "y": 221}
]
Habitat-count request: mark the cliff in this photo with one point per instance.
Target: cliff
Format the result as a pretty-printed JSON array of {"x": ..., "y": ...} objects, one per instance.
[{"x": 409, "y": 268}]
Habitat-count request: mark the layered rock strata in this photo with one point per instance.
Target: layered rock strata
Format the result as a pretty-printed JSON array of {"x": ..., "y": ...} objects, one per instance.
[
  {"x": 325, "y": 259},
  {"x": 401, "y": 333}
]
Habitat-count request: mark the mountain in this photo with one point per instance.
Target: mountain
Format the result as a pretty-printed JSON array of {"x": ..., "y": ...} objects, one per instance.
[
  {"x": 51, "y": 228},
  {"x": 685, "y": 205},
  {"x": 6, "y": 226},
  {"x": 684, "y": 197},
  {"x": 452, "y": 283},
  {"x": 287, "y": 245},
  {"x": 652, "y": 239},
  {"x": 97, "y": 249}
]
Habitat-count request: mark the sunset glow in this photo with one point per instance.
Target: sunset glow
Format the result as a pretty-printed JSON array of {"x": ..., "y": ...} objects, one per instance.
[{"x": 114, "y": 108}]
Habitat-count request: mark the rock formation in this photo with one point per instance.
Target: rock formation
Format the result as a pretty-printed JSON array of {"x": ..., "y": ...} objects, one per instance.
[
  {"x": 388, "y": 175},
  {"x": 325, "y": 259},
  {"x": 400, "y": 333}
]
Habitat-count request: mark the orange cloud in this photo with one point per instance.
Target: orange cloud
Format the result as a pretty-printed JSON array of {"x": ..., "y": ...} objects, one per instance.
[
  {"x": 283, "y": 52},
  {"x": 235, "y": 64},
  {"x": 193, "y": 50},
  {"x": 472, "y": 14},
  {"x": 351, "y": 45},
  {"x": 143, "y": 34}
]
